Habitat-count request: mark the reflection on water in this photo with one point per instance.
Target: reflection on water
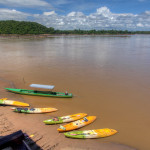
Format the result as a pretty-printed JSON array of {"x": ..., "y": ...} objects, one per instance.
[{"x": 109, "y": 77}]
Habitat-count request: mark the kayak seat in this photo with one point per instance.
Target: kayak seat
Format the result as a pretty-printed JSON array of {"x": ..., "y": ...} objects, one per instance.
[
  {"x": 85, "y": 119},
  {"x": 25, "y": 109},
  {"x": 19, "y": 109},
  {"x": 54, "y": 93},
  {"x": 32, "y": 109}
]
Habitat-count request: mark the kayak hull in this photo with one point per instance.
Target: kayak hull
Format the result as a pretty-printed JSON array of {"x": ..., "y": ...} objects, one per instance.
[
  {"x": 34, "y": 110},
  {"x": 13, "y": 103},
  {"x": 69, "y": 118},
  {"x": 77, "y": 124},
  {"x": 98, "y": 133},
  {"x": 40, "y": 93}
]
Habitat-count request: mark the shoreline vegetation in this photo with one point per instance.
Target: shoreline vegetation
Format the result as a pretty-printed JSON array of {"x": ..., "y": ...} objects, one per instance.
[{"x": 24, "y": 29}]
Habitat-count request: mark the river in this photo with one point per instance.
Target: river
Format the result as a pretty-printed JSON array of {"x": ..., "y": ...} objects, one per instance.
[{"x": 108, "y": 75}]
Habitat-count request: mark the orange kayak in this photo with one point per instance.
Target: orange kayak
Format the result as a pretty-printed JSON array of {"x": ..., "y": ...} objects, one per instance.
[{"x": 77, "y": 124}]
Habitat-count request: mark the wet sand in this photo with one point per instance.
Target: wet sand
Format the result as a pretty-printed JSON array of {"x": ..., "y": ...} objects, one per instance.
[{"x": 45, "y": 136}]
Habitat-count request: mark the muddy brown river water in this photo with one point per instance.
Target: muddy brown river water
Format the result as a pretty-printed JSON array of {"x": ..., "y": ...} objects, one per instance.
[{"x": 108, "y": 75}]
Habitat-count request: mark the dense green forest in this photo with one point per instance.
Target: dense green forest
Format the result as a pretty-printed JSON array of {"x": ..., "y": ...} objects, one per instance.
[{"x": 24, "y": 27}]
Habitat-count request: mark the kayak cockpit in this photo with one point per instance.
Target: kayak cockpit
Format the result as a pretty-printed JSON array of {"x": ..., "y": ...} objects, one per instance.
[{"x": 45, "y": 92}]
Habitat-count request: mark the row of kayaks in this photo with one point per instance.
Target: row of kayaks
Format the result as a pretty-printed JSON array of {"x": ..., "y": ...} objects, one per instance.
[
  {"x": 76, "y": 120},
  {"x": 79, "y": 120}
]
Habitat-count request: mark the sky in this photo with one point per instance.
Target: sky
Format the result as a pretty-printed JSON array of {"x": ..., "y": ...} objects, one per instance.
[{"x": 80, "y": 14}]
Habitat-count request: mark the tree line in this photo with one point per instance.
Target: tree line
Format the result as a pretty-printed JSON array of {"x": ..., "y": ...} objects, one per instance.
[{"x": 24, "y": 27}]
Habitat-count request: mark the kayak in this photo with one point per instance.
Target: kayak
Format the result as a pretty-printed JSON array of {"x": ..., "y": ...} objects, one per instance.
[
  {"x": 33, "y": 110},
  {"x": 98, "y": 133},
  {"x": 40, "y": 93},
  {"x": 4, "y": 101},
  {"x": 63, "y": 119},
  {"x": 77, "y": 124}
]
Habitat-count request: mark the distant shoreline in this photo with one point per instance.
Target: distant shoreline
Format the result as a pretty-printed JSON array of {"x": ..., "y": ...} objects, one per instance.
[{"x": 34, "y": 36}]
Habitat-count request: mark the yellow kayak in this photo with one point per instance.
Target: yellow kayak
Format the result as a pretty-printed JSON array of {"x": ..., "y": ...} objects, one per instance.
[
  {"x": 4, "y": 101},
  {"x": 77, "y": 124},
  {"x": 98, "y": 133},
  {"x": 34, "y": 110}
]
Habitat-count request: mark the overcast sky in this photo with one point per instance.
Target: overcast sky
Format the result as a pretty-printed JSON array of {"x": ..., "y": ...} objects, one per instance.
[{"x": 80, "y": 14}]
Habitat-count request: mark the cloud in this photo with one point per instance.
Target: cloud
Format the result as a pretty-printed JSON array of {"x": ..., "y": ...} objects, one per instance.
[
  {"x": 24, "y": 3},
  {"x": 49, "y": 13},
  {"x": 12, "y": 14},
  {"x": 75, "y": 14},
  {"x": 103, "y": 18}
]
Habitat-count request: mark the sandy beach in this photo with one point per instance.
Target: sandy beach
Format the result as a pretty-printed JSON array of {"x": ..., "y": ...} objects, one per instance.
[{"x": 45, "y": 137}]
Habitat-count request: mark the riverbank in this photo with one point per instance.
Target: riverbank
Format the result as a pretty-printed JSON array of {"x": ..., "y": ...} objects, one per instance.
[
  {"x": 26, "y": 36},
  {"x": 44, "y": 136},
  {"x": 39, "y": 36}
]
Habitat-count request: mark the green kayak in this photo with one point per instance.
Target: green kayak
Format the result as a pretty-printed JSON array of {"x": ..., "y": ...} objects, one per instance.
[
  {"x": 40, "y": 93},
  {"x": 63, "y": 119}
]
